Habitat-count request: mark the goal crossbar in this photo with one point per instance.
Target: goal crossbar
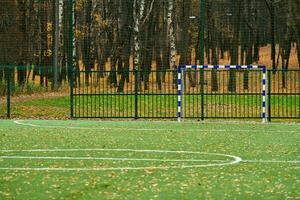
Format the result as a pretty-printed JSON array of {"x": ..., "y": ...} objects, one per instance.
[{"x": 263, "y": 68}]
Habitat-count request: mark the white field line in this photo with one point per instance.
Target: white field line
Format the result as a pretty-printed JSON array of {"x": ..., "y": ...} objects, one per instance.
[
  {"x": 213, "y": 121},
  {"x": 117, "y": 150},
  {"x": 106, "y": 169},
  {"x": 234, "y": 160},
  {"x": 100, "y": 158},
  {"x": 193, "y": 122},
  {"x": 272, "y": 161},
  {"x": 196, "y": 122},
  {"x": 140, "y": 159},
  {"x": 21, "y": 122},
  {"x": 295, "y": 167},
  {"x": 48, "y": 169}
]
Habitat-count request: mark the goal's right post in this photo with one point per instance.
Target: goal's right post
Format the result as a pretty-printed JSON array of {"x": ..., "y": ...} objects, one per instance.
[
  {"x": 264, "y": 93},
  {"x": 179, "y": 82}
]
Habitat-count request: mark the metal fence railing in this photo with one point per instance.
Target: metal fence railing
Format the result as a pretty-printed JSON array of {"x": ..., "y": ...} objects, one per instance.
[
  {"x": 153, "y": 94},
  {"x": 284, "y": 94}
]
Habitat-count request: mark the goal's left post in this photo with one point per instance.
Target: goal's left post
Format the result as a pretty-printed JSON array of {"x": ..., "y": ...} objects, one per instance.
[{"x": 179, "y": 83}]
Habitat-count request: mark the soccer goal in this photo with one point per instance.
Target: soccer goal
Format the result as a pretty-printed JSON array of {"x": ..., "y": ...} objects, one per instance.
[{"x": 222, "y": 91}]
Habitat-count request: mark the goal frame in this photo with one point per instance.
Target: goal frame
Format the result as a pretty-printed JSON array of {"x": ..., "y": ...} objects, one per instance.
[{"x": 263, "y": 69}]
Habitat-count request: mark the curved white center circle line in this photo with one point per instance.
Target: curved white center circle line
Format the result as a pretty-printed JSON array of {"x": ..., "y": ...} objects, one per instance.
[
  {"x": 234, "y": 160},
  {"x": 23, "y": 123}
]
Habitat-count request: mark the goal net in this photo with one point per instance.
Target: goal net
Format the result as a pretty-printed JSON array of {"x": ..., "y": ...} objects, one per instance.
[{"x": 222, "y": 91}]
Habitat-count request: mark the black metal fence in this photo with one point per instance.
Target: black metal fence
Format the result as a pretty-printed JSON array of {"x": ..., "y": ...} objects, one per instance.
[
  {"x": 284, "y": 94},
  {"x": 153, "y": 94},
  {"x": 103, "y": 98}
]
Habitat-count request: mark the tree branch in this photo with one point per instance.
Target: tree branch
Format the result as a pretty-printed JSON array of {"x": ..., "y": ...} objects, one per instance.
[
  {"x": 148, "y": 14},
  {"x": 268, "y": 5}
]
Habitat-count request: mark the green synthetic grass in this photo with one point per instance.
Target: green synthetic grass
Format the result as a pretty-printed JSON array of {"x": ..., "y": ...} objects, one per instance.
[
  {"x": 152, "y": 106},
  {"x": 52, "y": 107},
  {"x": 259, "y": 179}
]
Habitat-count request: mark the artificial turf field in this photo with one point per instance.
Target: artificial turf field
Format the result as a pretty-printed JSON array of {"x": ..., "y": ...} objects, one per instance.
[{"x": 148, "y": 160}]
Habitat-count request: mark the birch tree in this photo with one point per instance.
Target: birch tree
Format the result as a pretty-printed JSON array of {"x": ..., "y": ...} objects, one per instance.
[
  {"x": 172, "y": 40},
  {"x": 138, "y": 11}
]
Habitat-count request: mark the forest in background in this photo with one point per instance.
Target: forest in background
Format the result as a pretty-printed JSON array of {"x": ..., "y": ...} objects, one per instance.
[{"x": 115, "y": 36}]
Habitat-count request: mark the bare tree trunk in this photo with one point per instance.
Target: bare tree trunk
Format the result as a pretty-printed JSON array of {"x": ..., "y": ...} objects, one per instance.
[
  {"x": 148, "y": 52},
  {"x": 294, "y": 18},
  {"x": 235, "y": 45},
  {"x": 298, "y": 53},
  {"x": 214, "y": 42},
  {"x": 286, "y": 56},
  {"x": 103, "y": 44},
  {"x": 159, "y": 64},
  {"x": 250, "y": 24},
  {"x": 273, "y": 51},
  {"x": 87, "y": 42},
  {"x": 64, "y": 59},
  {"x": 271, "y": 8},
  {"x": 126, "y": 10},
  {"x": 46, "y": 53},
  {"x": 21, "y": 73},
  {"x": 172, "y": 40},
  {"x": 257, "y": 42},
  {"x": 214, "y": 72},
  {"x": 138, "y": 11},
  {"x": 159, "y": 34}
]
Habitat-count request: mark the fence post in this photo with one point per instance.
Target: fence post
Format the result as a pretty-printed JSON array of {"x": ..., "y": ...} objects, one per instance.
[
  {"x": 269, "y": 96},
  {"x": 71, "y": 53},
  {"x": 202, "y": 92},
  {"x": 136, "y": 89},
  {"x": 56, "y": 41},
  {"x": 8, "y": 91},
  {"x": 72, "y": 80},
  {"x": 202, "y": 47}
]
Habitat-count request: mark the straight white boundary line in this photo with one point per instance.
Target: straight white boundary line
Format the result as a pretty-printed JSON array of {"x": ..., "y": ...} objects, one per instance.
[
  {"x": 234, "y": 160},
  {"x": 23, "y": 123},
  {"x": 105, "y": 169},
  {"x": 116, "y": 150},
  {"x": 139, "y": 159},
  {"x": 272, "y": 161},
  {"x": 186, "y": 121},
  {"x": 104, "y": 158}
]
